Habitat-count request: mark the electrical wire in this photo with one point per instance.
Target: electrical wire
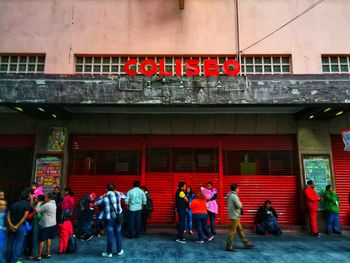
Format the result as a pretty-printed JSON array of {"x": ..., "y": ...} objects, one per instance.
[{"x": 284, "y": 25}]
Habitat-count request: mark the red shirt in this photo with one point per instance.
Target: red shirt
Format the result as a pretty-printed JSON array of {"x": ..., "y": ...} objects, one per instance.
[
  {"x": 68, "y": 202},
  {"x": 199, "y": 206},
  {"x": 311, "y": 199}
]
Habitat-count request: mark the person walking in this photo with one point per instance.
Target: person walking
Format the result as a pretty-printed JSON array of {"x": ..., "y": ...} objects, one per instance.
[
  {"x": 331, "y": 205},
  {"x": 211, "y": 194},
  {"x": 113, "y": 212},
  {"x": 16, "y": 217},
  {"x": 311, "y": 203},
  {"x": 181, "y": 202},
  {"x": 234, "y": 213},
  {"x": 135, "y": 199},
  {"x": 200, "y": 217},
  {"x": 47, "y": 225}
]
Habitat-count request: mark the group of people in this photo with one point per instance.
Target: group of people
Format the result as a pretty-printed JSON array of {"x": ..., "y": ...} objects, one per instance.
[
  {"x": 331, "y": 206},
  {"x": 36, "y": 218},
  {"x": 29, "y": 224},
  {"x": 196, "y": 208}
]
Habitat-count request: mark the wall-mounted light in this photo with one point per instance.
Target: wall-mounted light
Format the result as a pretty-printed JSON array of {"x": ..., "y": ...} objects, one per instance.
[
  {"x": 311, "y": 117},
  {"x": 18, "y": 109},
  {"x": 339, "y": 113},
  {"x": 219, "y": 84},
  {"x": 41, "y": 109},
  {"x": 54, "y": 115},
  {"x": 181, "y": 84},
  {"x": 328, "y": 109}
]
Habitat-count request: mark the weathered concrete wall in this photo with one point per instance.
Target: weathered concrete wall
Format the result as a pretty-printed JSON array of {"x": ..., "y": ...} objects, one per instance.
[{"x": 292, "y": 90}]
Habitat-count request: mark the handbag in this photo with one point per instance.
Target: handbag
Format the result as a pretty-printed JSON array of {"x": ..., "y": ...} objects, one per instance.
[
  {"x": 72, "y": 246},
  {"x": 119, "y": 217}
]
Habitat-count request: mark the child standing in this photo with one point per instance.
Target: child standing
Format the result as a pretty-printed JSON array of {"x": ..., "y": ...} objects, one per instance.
[{"x": 65, "y": 230}]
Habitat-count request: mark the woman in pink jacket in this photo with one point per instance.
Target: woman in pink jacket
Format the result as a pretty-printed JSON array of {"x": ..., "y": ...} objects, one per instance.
[{"x": 211, "y": 194}]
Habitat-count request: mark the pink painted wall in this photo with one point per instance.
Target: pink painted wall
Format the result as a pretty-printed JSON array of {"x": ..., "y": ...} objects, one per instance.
[{"x": 62, "y": 28}]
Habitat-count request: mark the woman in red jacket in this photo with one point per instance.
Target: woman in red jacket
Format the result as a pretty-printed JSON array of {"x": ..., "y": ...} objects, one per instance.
[
  {"x": 311, "y": 203},
  {"x": 65, "y": 230}
]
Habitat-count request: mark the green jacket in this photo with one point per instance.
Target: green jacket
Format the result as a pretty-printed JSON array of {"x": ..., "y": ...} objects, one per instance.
[{"x": 331, "y": 202}]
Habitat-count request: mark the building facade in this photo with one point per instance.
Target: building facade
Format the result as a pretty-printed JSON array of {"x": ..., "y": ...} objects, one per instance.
[{"x": 276, "y": 124}]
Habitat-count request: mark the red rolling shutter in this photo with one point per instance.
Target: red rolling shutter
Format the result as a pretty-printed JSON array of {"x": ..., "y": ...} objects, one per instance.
[
  {"x": 280, "y": 185},
  {"x": 17, "y": 141},
  {"x": 341, "y": 165}
]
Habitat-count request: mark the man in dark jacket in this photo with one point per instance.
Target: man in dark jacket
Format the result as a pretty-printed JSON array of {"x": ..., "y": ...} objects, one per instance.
[
  {"x": 267, "y": 222},
  {"x": 85, "y": 216}
]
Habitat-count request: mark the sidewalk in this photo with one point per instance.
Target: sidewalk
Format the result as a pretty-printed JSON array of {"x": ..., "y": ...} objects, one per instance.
[{"x": 154, "y": 248}]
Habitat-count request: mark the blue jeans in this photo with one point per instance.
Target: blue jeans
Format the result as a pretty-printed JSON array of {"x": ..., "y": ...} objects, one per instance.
[
  {"x": 332, "y": 223},
  {"x": 86, "y": 227},
  {"x": 114, "y": 232},
  {"x": 189, "y": 219},
  {"x": 200, "y": 222},
  {"x": 182, "y": 224},
  {"x": 212, "y": 222},
  {"x": 134, "y": 223},
  {"x": 14, "y": 244}
]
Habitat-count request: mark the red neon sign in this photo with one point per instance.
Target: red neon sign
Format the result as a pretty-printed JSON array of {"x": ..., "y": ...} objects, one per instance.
[{"x": 211, "y": 68}]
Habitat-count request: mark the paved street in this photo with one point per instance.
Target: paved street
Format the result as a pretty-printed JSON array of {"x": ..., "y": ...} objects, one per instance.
[{"x": 163, "y": 248}]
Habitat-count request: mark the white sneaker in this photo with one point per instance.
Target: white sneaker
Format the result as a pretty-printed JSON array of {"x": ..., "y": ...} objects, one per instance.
[
  {"x": 106, "y": 255},
  {"x": 121, "y": 253}
]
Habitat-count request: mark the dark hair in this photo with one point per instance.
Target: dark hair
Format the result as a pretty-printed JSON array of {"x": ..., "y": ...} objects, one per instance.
[
  {"x": 234, "y": 187},
  {"x": 144, "y": 188},
  {"x": 211, "y": 183},
  {"x": 310, "y": 182},
  {"x": 41, "y": 198},
  {"x": 2, "y": 191},
  {"x": 25, "y": 193},
  {"x": 328, "y": 187},
  {"x": 136, "y": 183},
  {"x": 181, "y": 184},
  {"x": 57, "y": 187},
  {"x": 50, "y": 196},
  {"x": 67, "y": 189},
  {"x": 267, "y": 202},
  {"x": 35, "y": 183},
  {"x": 110, "y": 187}
]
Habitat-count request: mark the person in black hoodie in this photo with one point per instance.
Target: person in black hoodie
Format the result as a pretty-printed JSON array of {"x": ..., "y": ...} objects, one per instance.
[{"x": 266, "y": 219}]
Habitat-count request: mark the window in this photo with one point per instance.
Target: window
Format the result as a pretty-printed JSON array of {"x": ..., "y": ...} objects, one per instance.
[
  {"x": 335, "y": 64},
  {"x": 266, "y": 65},
  {"x": 22, "y": 64},
  {"x": 114, "y": 65},
  {"x": 182, "y": 160},
  {"x": 260, "y": 163},
  {"x": 122, "y": 162}
]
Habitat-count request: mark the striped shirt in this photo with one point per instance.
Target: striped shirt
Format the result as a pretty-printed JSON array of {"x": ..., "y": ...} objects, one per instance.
[{"x": 115, "y": 198}]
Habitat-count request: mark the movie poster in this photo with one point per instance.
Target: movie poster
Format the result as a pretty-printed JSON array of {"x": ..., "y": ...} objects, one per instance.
[
  {"x": 48, "y": 172},
  {"x": 57, "y": 139}
]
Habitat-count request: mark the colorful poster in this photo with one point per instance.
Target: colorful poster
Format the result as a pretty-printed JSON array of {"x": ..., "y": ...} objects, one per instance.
[
  {"x": 48, "y": 172},
  {"x": 317, "y": 168},
  {"x": 56, "y": 139}
]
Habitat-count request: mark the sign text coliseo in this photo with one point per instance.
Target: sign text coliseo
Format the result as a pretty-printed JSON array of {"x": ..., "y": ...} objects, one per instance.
[{"x": 149, "y": 68}]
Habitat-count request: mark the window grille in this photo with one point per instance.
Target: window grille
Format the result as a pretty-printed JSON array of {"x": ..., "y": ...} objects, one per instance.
[
  {"x": 22, "y": 64},
  {"x": 335, "y": 64}
]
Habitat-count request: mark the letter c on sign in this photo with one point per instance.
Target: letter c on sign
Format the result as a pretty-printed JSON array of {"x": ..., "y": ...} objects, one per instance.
[
  {"x": 127, "y": 69},
  {"x": 229, "y": 72},
  {"x": 144, "y": 70}
]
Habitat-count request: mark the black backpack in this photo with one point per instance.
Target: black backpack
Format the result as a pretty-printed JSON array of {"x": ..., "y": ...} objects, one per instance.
[{"x": 72, "y": 244}]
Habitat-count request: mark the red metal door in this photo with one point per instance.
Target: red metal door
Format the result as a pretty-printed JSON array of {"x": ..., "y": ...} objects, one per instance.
[{"x": 341, "y": 165}]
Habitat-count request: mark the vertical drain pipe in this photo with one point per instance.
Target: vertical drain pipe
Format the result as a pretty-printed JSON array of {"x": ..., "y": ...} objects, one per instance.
[{"x": 238, "y": 44}]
